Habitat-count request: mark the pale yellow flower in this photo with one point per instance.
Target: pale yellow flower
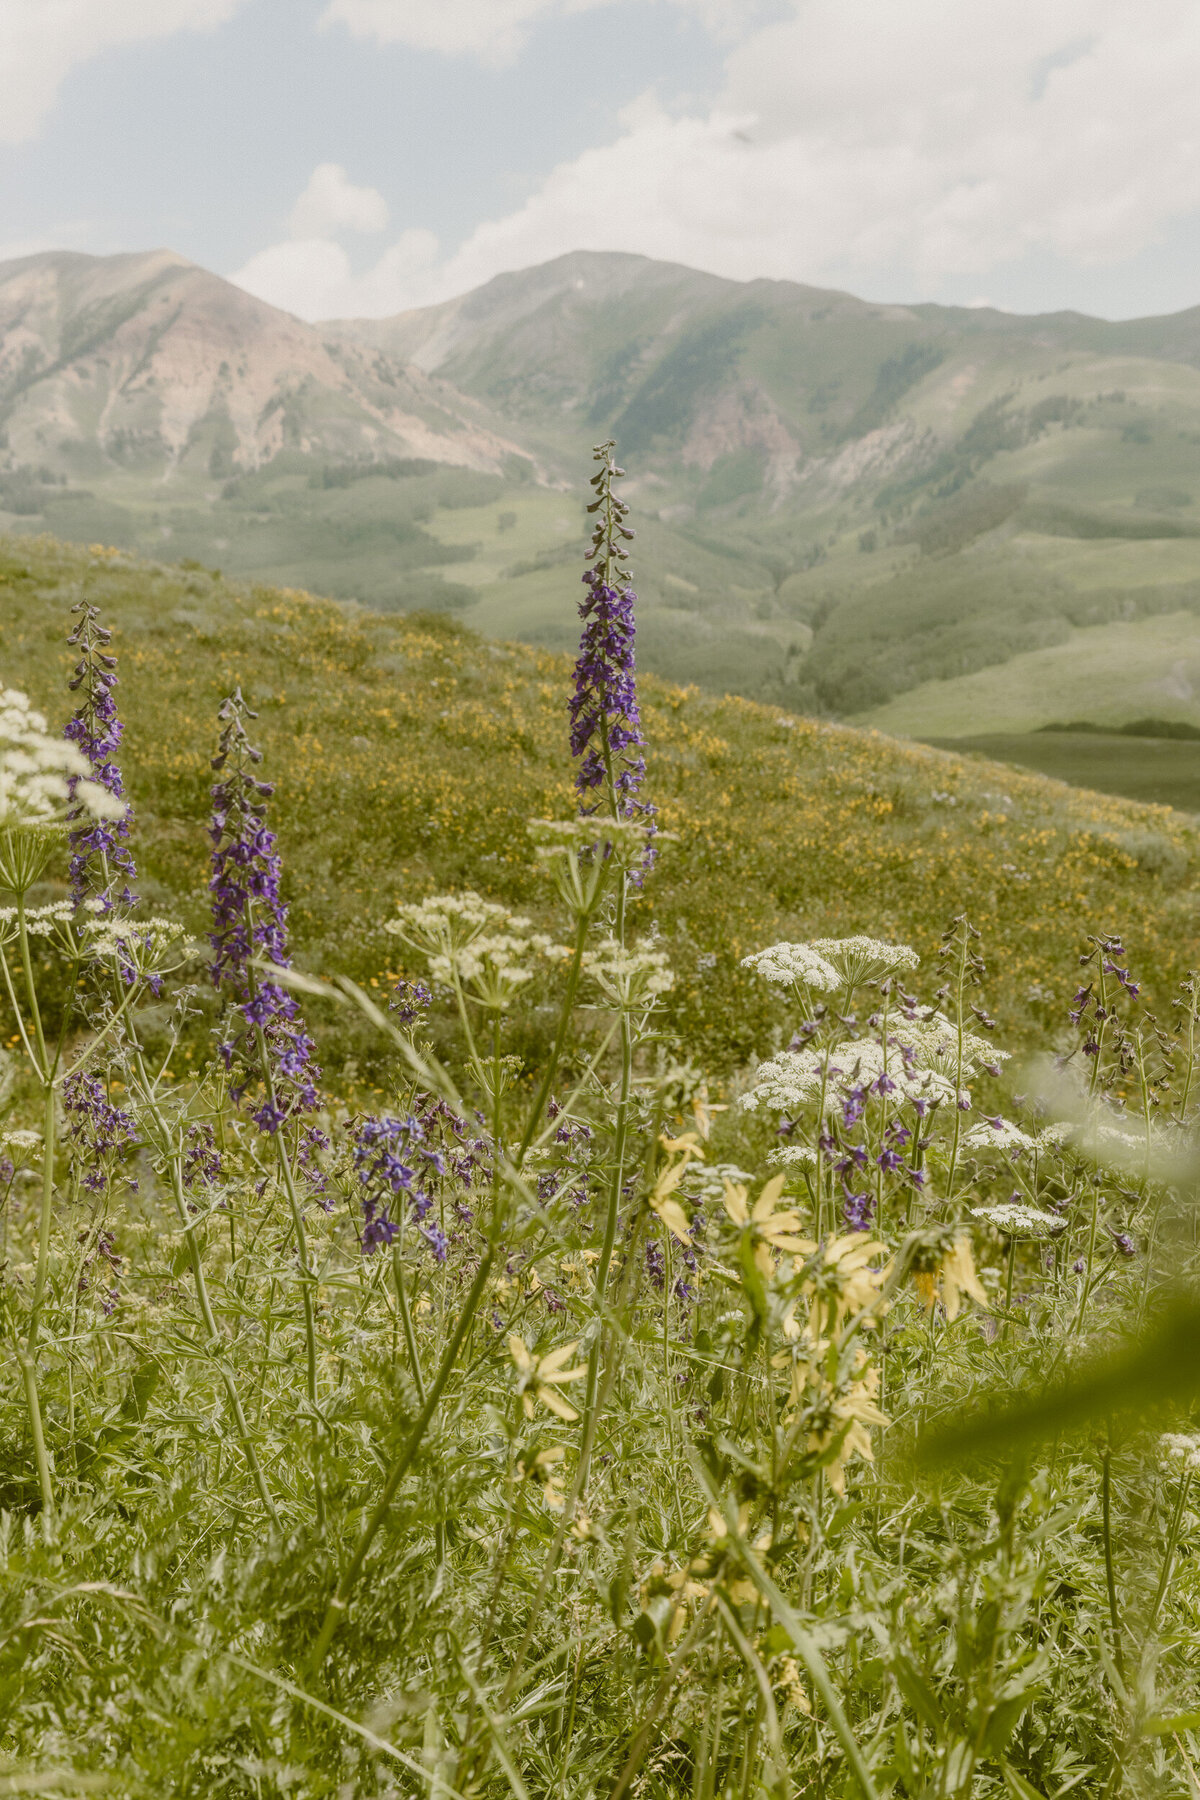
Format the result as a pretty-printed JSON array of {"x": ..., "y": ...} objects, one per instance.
[
  {"x": 950, "y": 1279},
  {"x": 684, "y": 1150},
  {"x": 541, "y": 1376},
  {"x": 772, "y": 1231}
]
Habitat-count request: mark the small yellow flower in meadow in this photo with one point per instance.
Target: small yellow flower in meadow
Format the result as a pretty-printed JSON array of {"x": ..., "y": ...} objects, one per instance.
[
  {"x": 542, "y": 1470},
  {"x": 788, "y": 1680},
  {"x": 543, "y": 1375},
  {"x": 953, "y": 1276},
  {"x": 772, "y": 1231},
  {"x": 685, "y": 1150},
  {"x": 849, "y": 1415},
  {"x": 703, "y": 1110}
]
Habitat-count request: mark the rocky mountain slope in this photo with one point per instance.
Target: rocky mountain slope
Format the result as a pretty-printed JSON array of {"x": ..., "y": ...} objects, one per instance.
[{"x": 148, "y": 364}]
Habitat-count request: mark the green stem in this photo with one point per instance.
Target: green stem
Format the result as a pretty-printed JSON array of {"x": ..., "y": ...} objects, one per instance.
[
  {"x": 564, "y": 1021},
  {"x": 1169, "y": 1554},
  {"x": 336, "y": 1609},
  {"x": 1109, "y": 1573},
  {"x": 28, "y": 1357},
  {"x": 308, "y": 1279}
]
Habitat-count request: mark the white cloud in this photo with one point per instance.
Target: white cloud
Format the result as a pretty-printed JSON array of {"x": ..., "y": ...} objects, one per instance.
[
  {"x": 860, "y": 140},
  {"x": 313, "y": 277},
  {"x": 493, "y": 30},
  {"x": 331, "y": 203},
  {"x": 41, "y": 41}
]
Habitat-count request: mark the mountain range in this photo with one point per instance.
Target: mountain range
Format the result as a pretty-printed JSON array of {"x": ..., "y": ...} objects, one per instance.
[{"x": 941, "y": 520}]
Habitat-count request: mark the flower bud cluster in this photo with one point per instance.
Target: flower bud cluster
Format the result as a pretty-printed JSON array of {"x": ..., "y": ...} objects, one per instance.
[{"x": 42, "y": 778}]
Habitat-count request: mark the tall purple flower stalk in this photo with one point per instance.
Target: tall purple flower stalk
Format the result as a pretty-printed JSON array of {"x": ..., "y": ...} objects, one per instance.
[
  {"x": 98, "y": 1132},
  {"x": 249, "y": 921},
  {"x": 102, "y": 866},
  {"x": 393, "y": 1160},
  {"x": 606, "y": 723}
]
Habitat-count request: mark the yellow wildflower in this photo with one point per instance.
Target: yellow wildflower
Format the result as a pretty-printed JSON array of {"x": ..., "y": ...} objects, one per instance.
[
  {"x": 541, "y": 1375},
  {"x": 772, "y": 1231},
  {"x": 952, "y": 1276},
  {"x": 788, "y": 1680},
  {"x": 684, "y": 1150}
]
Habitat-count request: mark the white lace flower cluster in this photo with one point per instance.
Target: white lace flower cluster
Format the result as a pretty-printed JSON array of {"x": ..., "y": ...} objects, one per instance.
[
  {"x": 40, "y": 921},
  {"x": 20, "y": 1140},
  {"x": 827, "y": 964},
  {"x": 475, "y": 944},
  {"x": 1183, "y": 1449},
  {"x": 1016, "y": 1220},
  {"x": 582, "y": 856},
  {"x": 933, "y": 1039},
  {"x": 998, "y": 1134},
  {"x": 36, "y": 771},
  {"x": 446, "y": 923},
  {"x": 631, "y": 979},
  {"x": 789, "y": 1080},
  {"x": 142, "y": 948},
  {"x": 794, "y": 965},
  {"x": 859, "y": 959},
  {"x": 493, "y": 968}
]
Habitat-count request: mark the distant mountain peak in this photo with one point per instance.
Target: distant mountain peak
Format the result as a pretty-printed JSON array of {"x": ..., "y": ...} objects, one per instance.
[{"x": 149, "y": 360}]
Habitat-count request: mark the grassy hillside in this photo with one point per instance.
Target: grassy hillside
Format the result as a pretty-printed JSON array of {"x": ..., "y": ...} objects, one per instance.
[
  {"x": 409, "y": 753},
  {"x": 1161, "y": 769},
  {"x": 1111, "y": 674}
]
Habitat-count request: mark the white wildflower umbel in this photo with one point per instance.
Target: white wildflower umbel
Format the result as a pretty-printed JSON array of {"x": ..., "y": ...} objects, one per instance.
[
  {"x": 446, "y": 923},
  {"x": 998, "y": 1134},
  {"x": 1182, "y": 1449},
  {"x": 36, "y": 768},
  {"x": 934, "y": 1040},
  {"x": 631, "y": 980},
  {"x": 790, "y": 1079},
  {"x": 794, "y": 965},
  {"x": 24, "y": 1142},
  {"x": 859, "y": 959},
  {"x": 142, "y": 950},
  {"x": 1016, "y": 1220},
  {"x": 582, "y": 861},
  {"x": 36, "y": 773},
  {"x": 491, "y": 969},
  {"x": 474, "y": 945}
]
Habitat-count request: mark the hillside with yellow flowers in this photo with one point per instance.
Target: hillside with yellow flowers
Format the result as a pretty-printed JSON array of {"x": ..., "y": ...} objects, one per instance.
[{"x": 408, "y": 755}]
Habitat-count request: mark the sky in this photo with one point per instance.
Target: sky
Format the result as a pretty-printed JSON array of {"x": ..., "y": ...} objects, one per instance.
[{"x": 347, "y": 158}]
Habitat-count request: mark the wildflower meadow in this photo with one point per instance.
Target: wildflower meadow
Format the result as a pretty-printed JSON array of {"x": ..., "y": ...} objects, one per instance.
[{"x": 650, "y": 1361}]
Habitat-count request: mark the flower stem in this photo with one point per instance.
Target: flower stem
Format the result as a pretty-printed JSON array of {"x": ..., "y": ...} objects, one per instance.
[{"x": 336, "y": 1610}]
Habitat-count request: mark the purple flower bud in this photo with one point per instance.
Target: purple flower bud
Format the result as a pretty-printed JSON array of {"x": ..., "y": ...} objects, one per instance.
[
  {"x": 102, "y": 866},
  {"x": 250, "y": 918}
]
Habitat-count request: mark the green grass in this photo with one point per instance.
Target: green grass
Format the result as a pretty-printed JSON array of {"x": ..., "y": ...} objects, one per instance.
[
  {"x": 1163, "y": 771},
  {"x": 616, "y": 1473},
  {"x": 409, "y": 754},
  {"x": 1107, "y": 673}
]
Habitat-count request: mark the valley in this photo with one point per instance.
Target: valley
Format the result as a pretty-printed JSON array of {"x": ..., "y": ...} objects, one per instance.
[{"x": 943, "y": 522}]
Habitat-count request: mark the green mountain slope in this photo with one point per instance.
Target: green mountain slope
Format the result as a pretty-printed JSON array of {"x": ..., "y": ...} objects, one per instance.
[
  {"x": 911, "y": 492},
  {"x": 838, "y": 503},
  {"x": 409, "y": 754}
]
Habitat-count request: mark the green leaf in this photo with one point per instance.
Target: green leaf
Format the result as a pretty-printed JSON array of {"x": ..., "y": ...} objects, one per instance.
[
  {"x": 1017, "y": 1786},
  {"x": 1161, "y": 1366},
  {"x": 1189, "y": 1721},
  {"x": 920, "y": 1696},
  {"x": 1003, "y": 1722}
]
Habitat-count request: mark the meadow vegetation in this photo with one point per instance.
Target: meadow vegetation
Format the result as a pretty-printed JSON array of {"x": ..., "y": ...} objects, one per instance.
[{"x": 510, "y": 1237}]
